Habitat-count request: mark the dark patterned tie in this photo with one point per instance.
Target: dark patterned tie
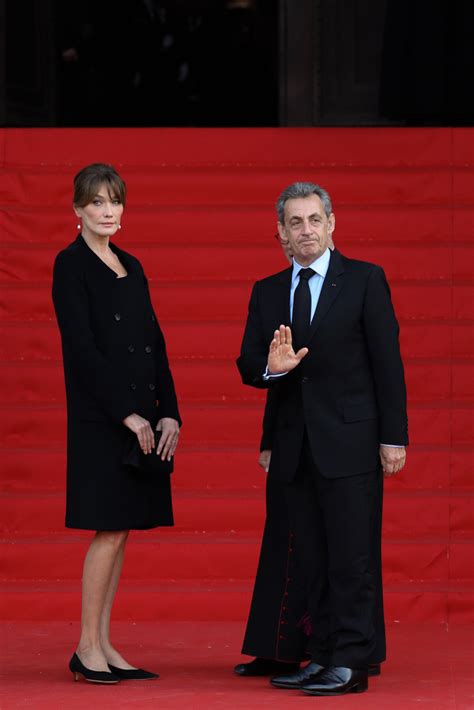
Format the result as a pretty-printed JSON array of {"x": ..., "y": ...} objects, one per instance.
[{"x": 302, "y": 310}]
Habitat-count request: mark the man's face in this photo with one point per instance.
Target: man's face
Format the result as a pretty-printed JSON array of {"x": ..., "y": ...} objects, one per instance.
[{"x": 307, "y": 229}]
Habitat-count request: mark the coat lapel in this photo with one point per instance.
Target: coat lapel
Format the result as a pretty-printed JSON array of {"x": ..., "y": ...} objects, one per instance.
[{"x": 332, "y": 287}]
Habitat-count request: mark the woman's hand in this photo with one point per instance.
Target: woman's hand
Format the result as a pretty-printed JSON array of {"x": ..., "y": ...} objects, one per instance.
[
  {"x": 169, "y": 438},
  {"x": 142, "y": 428}
]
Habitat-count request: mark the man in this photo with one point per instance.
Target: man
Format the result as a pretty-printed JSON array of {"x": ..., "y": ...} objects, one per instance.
[
  {"x": 340, "y": 397},
  {"x": 277, "y": 652}
]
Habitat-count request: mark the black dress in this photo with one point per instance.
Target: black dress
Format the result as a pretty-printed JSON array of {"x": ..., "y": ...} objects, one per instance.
[{"x": 115, "y": 364}]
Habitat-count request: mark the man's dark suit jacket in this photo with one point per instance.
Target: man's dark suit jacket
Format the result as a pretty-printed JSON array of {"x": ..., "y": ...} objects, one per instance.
[{"x": 348, "y": 393}]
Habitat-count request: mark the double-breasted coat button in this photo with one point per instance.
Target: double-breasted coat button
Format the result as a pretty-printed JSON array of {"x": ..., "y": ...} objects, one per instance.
[
  {"x": 117, "y": 317},
  {"x": 133, "y": 386},
  {"x": 131, "y": 348},
  {"x": 148, "y": 349},
  {"x": 151, "y": 387}
]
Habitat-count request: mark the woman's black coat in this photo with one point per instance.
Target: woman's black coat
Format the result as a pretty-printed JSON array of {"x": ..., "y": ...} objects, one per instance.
[{"x": 115, "y": 364}]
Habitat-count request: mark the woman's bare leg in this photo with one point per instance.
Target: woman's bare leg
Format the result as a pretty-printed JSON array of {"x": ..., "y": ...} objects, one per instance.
[
  {"x": 112, "y": 655},
  {"x": 99, "y": 566}
]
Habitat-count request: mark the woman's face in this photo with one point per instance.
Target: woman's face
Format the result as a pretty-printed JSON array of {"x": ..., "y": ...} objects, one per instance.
[{"x": 101, "y": 217}]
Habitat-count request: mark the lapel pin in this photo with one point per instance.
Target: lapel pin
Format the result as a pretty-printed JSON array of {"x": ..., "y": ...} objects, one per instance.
[{"x": 333, "y": 284}]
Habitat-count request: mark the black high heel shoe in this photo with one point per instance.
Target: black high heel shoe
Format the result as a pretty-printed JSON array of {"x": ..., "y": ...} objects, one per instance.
[
  {"x": 133, "y": 674},
  {"x": 78, "y": 669}
]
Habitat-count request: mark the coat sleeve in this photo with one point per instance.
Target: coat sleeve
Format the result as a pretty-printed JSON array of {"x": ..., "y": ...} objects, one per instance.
[
  {"x": 165, "y": 389},
  {"x": 253, "y": 357},
  {"x": 381, "y": 332},
  {"x": 99, "y": 377}
]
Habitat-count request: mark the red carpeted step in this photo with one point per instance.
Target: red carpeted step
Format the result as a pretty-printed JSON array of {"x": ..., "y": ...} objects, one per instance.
[
  {"x": 218, "y": 600},
  {"x": 233, "y": 468},
  {"x": 27, "y": 262},
  {"x": 255, "y": 185},
  {"x": 219, "y": 380},
  {"x": 228, "y": 469},
  {"x": 21, "y": 305},
  {"x": 215, "y": 600},
  {"x": 426, "y": 515},
  {"x": 187, "y": 599},
  {"x": 394, "y": 192},
  {"x": 165, "y": 554},
  {"x": 219, "y": 300},
  {"x": 36, "y": 426},
  {"x": 461, "y": 517},
  {"x": 45, "y": 426},
  {"x": 63, "y": 149},
  {"x": 24, "y": 341},
  {"x": 237, "y": 514},
  {"x": 162, "y": 554},
  {"x": 415, "y": 223}
]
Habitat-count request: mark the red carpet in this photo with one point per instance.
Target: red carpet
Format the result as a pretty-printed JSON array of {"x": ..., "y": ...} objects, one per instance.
[
  {"x": 429, "y": 667},
  {"x": 200, "y": 216}
]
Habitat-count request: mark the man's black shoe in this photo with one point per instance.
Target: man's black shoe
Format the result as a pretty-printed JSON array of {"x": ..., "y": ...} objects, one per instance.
[
  {"x": 374, "y": 669},
  {"x": 294, "y": 681},
  {"x": 337, "y": 680},
  {"x": 265, "y": 666}
]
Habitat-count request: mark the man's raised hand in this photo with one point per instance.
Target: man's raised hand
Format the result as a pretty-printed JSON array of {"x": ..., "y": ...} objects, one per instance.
[{"x": 281, "y": 356}]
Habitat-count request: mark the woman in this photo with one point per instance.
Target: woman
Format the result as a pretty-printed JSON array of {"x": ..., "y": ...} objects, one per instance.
[{"x": 120, "y": 394}]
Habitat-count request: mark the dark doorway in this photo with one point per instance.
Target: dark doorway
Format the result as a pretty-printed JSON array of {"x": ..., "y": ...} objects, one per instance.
[{"x": 167, "y": 63}]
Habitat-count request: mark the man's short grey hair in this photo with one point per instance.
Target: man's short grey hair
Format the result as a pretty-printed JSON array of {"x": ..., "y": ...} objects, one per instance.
[{"x": 302, "y": 189}]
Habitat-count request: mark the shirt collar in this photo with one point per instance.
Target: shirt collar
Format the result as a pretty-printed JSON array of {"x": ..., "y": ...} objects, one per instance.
[{"x": 319, "y": 265}]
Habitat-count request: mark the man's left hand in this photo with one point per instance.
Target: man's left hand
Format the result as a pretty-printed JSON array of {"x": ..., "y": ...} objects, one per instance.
[
  {"x": 393, "y": 459},
  {"x": 169, "y": 438},
  {"x": 264, "y": 459}
]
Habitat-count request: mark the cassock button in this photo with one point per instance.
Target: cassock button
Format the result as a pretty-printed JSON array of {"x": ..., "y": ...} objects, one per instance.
[
  {"x": 131, "y": 348},
  {"x": 117, "y": 317},
  {"x": 151, "y": 387},
  {"x": 148, "y": 349},
  {"x": 133, "y": 386}
]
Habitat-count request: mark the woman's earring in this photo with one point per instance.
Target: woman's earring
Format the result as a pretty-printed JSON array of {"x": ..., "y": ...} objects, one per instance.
[
  {"x": 78, "y": 225},
  {"x": 119, "y": 226}
]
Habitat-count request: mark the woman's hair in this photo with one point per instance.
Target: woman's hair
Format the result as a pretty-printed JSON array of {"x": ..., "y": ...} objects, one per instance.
[{"x": 87, "y": 183}]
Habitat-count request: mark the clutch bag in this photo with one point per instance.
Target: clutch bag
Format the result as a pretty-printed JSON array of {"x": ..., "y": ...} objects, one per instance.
[{"x": 135, "y": 459}]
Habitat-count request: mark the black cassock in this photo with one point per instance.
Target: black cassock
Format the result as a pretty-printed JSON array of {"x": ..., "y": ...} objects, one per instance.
[{"x": 278, "y": 625}]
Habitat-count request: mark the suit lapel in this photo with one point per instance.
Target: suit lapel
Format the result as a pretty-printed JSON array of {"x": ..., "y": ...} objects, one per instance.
[{"x": 332, "y": 287}]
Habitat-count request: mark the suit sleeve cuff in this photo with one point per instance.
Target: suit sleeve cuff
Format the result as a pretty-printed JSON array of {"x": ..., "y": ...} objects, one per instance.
[{"x": 269, "y": 376}]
